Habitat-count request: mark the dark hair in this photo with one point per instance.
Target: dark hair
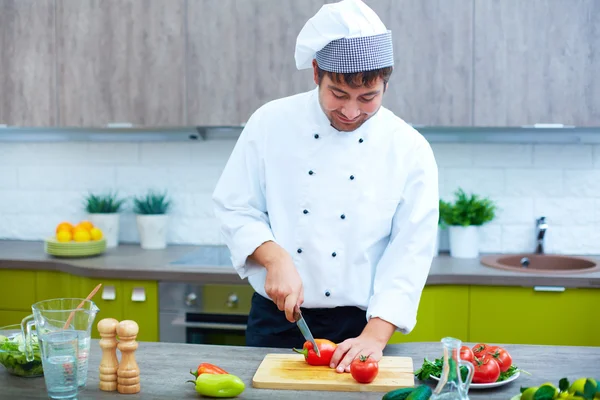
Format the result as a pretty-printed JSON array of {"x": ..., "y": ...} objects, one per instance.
[{"x": 358, "y": 79}]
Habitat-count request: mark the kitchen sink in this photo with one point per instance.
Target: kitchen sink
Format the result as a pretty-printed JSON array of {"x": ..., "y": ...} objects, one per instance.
[{"x": 541, "y": 263}]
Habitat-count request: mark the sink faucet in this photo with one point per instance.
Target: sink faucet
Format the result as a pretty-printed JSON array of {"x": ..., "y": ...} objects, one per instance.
[{"x": 541, "y": 227}]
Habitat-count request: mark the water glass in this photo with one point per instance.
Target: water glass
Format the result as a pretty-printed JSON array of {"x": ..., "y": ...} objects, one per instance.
[{"x": 60, "y": 351}]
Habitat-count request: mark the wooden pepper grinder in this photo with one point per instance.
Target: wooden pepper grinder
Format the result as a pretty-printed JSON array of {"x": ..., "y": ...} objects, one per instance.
[
  {"x": 128, "y": 381},
  {"x": 109, "y": 364}
]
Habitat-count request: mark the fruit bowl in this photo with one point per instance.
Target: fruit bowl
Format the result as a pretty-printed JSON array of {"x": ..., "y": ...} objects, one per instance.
[
  {"x": 12, "y": 353},
  {"x": 74, "y": 249}
]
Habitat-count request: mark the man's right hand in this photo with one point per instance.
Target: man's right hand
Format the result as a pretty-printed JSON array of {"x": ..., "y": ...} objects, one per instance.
[{"x": 283, "y": 284}]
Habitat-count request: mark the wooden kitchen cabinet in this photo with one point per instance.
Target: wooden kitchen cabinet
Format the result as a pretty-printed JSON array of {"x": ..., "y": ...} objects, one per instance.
[
  {"x": 443, "y": 311},
  {"x": 54, "y": 285},
  {"x": 27, "y": 67},
  {"x": 120, "y": 61},
  {"x": 433, "y": 54},
  {"x": 109, "y": 298},
  {"x": 534, "y": 62},
  {"x": 235, "y": 65},
  {"x": 18, "y": 290},
  {"x": 521, "y": 315}
]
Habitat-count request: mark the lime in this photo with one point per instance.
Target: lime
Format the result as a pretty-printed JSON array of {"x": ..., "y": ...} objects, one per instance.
[{"x": 528, "y": 394}]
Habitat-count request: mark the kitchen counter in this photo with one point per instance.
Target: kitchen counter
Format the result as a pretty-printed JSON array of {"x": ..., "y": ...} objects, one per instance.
[
  {"x": 165, "y": 370},
  {"x": 211, "y": 264}
]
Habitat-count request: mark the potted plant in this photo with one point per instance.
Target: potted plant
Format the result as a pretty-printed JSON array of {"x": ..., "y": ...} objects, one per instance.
[
  {"x": 103, "y": 212},
  {"x": 463, "y": 218},
  {"x": 151, "y": 219}
]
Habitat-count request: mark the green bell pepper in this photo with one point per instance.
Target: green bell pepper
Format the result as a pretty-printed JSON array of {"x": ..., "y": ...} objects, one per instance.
[{"x": 219, "y": 385}]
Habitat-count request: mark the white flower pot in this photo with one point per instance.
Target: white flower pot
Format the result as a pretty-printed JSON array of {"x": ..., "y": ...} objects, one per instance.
[
  {"x": 464, "y": 241},
  {"x": 109, "y": 225},
  {"x": 152, "y": 230}
]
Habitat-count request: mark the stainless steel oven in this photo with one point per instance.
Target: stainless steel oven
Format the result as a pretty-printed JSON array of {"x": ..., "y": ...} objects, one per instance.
[{"x": 203, "y": 313}]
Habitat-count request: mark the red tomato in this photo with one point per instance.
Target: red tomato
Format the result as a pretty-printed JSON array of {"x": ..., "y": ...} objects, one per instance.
[
  {"x": 501, "y": 356},
  {"x": 487, "y": 370},
  {"x": 364, "y": 369},
  {"x": 466, "y": 354},
  {"x": 480, "y": 349}
]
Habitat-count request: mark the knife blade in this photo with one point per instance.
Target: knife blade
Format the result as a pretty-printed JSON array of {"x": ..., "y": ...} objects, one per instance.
[{"x": 304, "y": 329}]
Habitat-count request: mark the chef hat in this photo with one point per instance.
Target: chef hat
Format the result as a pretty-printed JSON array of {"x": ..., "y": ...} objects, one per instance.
[{"x": 345, "y": 37}]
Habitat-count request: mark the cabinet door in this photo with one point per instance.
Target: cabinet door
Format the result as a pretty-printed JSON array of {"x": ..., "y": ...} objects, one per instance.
[
  {"x": 54, "y": 285},
  {"x": 529, "y": 316},
  {"x": 120, "y": 61},
  {"x": 534, "y": 62},
  {"x": 433, "y": 55},
  {"x": 443, "y": 311},
  {"x": 227, "y": 299},
  {"x": 235, "y": 64},
  {"x": 140, "y": 304},
  {"x": 27, "y": 67},
  {"x": 109, "y": 299},
  {"x": 18, "y": 290},
  {"x": 12, "y": 317}
]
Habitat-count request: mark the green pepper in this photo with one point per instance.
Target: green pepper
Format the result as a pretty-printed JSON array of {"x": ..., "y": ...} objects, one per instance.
[{"x": 219, "y": 385}]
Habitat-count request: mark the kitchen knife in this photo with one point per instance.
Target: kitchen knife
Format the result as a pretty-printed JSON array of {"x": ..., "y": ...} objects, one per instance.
[{"x": 304, "y": 329}]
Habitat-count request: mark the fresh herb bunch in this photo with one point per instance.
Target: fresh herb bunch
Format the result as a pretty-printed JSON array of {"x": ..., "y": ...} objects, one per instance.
[
  {"x": 434, "y": 368},
  {"x": 103, "y": 204},
  {"x": 467, "y": 210},
  {"x": 152, "y": 203}
]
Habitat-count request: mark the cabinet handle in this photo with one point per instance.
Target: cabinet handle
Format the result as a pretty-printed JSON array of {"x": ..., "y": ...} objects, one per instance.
[
  {"x": 549, "y": 288},
  {"x": 138, "y": 294},
  {"x": 109, "y": 293}
]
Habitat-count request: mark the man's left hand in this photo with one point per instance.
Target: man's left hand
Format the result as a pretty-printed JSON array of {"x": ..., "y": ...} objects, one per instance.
[{"x": 349, "y": 349}]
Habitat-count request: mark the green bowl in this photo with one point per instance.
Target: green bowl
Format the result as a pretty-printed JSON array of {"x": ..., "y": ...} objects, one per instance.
[
  {"x": 13, "y": 358},
  {"x": 74, "y": 249}
]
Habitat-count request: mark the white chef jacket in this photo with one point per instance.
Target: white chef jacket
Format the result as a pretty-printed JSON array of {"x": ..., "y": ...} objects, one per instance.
[{"x": 357, "y": 211}]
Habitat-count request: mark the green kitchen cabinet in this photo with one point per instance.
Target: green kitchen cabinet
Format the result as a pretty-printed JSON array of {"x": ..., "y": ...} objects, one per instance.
[
  {"x": 54, "y": 285},
  {"x": 443, "y": 311},
  {"x": 540, "y": 315},
  {"x": 140, "y": 303},
  {"x": 18, "y": 291},
  {"x": 109, "y": 298},
  {"x": 12, "y": 317}
]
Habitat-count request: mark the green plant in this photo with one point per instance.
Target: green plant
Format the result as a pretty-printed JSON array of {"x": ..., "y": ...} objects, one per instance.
[
  {"x": 103, "y": 204},
  {"x": 467, "y": 210},
  {"x": 152, "y": 203}
]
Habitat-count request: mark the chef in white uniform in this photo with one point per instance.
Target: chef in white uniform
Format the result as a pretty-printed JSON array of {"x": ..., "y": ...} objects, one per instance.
[{"x": 329, "y": 201}]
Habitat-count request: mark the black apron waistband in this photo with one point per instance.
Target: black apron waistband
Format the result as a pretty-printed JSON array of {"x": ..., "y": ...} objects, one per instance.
[{"x": 268, "y": 327}]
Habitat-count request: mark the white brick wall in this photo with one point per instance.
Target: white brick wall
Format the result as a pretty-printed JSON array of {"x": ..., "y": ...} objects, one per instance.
[{"x": 42, "y": 184}]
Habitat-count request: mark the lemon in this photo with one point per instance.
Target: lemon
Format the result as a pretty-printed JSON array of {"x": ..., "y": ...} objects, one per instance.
[
  {"x": 579, "y": 385},
  {"x": 82, "y": 235},
  {"x": 96, "y": 233},
  {"x": 528, "y": 394},
  {"x": 64, "y": 236}
]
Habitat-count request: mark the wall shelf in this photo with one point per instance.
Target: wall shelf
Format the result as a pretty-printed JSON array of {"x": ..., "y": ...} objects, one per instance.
[{"x": 434, "y": 134}]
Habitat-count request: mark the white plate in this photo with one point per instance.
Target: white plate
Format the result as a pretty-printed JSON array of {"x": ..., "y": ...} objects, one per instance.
[{"x": 487, "y": 385}]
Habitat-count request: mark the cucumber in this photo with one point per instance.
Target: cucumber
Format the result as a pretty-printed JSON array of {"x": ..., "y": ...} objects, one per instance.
[
  {"x": 398, "y": 394},
  {"x": 423, "y": 392}
]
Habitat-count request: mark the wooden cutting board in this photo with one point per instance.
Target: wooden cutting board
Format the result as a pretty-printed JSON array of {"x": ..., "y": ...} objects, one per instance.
[{"x": 290, "y": 371}]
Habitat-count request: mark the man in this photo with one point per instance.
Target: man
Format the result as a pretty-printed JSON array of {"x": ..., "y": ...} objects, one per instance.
[{"x": 329, "y": 201}]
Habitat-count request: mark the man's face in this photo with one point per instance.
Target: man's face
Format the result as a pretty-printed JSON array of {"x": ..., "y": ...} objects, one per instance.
[{"x": 348, "y": 108}]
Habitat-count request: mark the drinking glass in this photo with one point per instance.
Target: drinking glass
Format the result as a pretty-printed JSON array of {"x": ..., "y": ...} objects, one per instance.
[{"x": 59, "y": 351}]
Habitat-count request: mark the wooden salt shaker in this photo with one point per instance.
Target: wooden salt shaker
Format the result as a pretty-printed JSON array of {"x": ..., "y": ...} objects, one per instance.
[
  {"x": 109, "y": 364},
  {"x": 128, "y": 380}
]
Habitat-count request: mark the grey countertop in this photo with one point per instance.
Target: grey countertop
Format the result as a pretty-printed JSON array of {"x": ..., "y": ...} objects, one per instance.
[
  {"x": 164, "y": 370},
  {"x": 211, "y": 264}
]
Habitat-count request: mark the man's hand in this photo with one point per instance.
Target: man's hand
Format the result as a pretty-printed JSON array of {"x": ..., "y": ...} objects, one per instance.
[
  {"x": 370, "y": 342},
  {"x": 283, "y": 284}
]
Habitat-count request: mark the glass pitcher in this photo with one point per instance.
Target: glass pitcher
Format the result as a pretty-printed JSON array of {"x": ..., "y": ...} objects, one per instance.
[
  {"x": 451, "y": 386},
  {"x": 62, "y": 314}
]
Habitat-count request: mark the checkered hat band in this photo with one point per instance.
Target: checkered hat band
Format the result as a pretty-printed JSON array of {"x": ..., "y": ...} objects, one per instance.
[{"x": 359, "y": 54}]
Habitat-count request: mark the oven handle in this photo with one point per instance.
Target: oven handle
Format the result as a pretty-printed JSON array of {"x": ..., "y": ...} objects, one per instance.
[{"x": 209, "y": 325}]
